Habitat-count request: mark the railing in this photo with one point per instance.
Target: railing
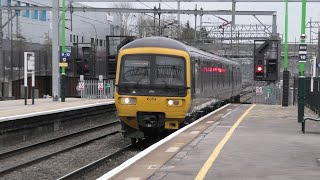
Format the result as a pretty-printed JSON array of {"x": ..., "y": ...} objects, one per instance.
[
  {"x": 95, "y": 89},
  {"x": 312, "y": 99},
  {"x": 264, "y": 93}
]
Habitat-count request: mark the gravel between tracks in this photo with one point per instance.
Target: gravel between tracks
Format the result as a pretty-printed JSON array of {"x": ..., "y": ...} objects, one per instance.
[
  {"x": 60, "y": 133},
  {"x": 106, "y": 167},
  {"x": 64, "y": 163}
]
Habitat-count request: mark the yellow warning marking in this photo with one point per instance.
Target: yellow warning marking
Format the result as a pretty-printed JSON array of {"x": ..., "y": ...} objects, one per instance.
[{"x": 205, "y": 168}]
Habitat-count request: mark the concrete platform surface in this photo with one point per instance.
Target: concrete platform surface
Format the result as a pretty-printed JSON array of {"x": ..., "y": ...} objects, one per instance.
[
  {"x": 260, "y": 142},
  {"x": 15, "y": 109}
]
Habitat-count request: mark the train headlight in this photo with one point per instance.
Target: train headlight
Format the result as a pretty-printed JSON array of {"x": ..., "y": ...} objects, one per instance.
[
  {"x": 173, "y": 102},
  {"x": 128, "y": 100}
]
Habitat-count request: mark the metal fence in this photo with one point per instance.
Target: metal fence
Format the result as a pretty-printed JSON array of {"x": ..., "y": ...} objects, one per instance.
[
  {"x": 312, "y": 97},
  {"x": 95, "y": 89},
  {"x": 266, "y": 93}
]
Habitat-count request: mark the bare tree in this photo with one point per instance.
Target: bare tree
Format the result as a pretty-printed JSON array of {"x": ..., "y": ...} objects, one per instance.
[
  {"x": 124, "y": 18},
  {"x": 47, "y": 44},
  {"x": 144, "y": 26},
  {"x": 148, "y": 26},
  {"x": 169, "y": 26},
  {"x": 20, "y": 43}
]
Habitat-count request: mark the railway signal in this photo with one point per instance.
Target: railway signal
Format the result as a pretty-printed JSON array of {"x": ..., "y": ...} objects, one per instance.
[
  {"x": 259, "y": 67},
  {"x": 85, "y": 66},
  {"x": 79, "y": 68},
  {"x": 266, "y": 60}
]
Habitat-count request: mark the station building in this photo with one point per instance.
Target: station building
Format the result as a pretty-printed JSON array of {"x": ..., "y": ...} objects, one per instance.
[{"x": 31, "y": 30}]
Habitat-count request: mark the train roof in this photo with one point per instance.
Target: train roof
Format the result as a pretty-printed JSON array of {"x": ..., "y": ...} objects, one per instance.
[{"x": 163, "y": 42}]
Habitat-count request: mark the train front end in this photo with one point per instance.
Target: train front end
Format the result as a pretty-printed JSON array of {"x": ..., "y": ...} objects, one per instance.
[{"x": 152, "y": 90}]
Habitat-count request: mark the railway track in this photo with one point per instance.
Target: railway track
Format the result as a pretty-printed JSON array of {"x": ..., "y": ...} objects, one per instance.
[
  {"x": 104, "y": 161},
  {"x": 246, "y": 96},
  {"x": 94, "y": 164},
  {"x": 27, "y": 149}
]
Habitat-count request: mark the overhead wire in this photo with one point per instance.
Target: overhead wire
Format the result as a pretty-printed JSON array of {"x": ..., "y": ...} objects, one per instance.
[
  {"x": 101, "y": 21},
  {"x": 150, "y": 15},
  {"x": 168, "y": 5},
  {"x": 37, "y": 3}
]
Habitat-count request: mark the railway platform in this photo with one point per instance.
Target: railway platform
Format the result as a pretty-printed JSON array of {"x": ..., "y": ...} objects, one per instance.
[
  {"x": 234, "y": 142},
  {"x": 15, "y": 109},
  {"x": 20, "y": 123}
]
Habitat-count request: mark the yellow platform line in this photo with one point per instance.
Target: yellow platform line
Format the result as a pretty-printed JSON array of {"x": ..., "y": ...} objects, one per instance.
[{"x": 205, "y": 168}]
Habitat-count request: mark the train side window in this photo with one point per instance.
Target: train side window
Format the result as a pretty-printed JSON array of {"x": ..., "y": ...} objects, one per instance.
[
  {"x": 206, "y": 73},
  {"x": 224, "y": 74},
  {"x": 219, "y": 76},
  {"x": 197, "y": 76},
  {"x": 201, "y": 62},
  {"x": 193, "y": 75},
  {"x": 230, "y": 74},
  {"x": 211, "y": 75},
  {"x": 216, "y": 77}
]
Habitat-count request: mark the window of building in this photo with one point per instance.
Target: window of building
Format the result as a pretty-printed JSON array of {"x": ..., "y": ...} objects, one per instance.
[
  {"x": 97, "y": 42},
  {"x": 9, "y": 2},
  {"x": 27, "y": 11},
  {"x": 104, "y": 43},
  {"x": 77, "y": 39},
  {"x": 92, "y": 40},
  {"x": 74, "y": 38},
  {"x": 70, "y": 37},
  {"x": 43, "y": 15},
  {"x": 36, "y": 14},
  {"x": 100, "y": 42},
  {"x": 18, "y": 4},
  {"x": 82, "y": 39}
]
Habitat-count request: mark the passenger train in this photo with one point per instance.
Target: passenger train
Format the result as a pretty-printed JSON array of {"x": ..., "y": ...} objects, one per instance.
[{"x": 162, "y": 84}]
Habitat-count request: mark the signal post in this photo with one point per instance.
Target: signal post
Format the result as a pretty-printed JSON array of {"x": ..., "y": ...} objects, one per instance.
[{"x": 302, "y": 61}]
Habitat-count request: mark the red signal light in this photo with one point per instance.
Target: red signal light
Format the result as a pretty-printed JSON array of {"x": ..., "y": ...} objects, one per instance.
[{"x": 259, "y": 69}]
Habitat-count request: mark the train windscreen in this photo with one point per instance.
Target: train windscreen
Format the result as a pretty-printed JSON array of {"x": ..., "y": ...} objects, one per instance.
[{"x": 153, "y": 71}]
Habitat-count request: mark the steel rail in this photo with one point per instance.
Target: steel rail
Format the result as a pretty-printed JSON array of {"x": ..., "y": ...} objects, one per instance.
[
  {"x": 51, "y": 141},
  {"x": 26, "y": 164},
  {"x": 94, "y": 164}
]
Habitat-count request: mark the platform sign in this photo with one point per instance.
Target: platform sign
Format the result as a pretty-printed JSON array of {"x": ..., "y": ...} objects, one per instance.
[
  {"x": 108, "y": 85},
  {"x": 269, "y": 91},
  {"x": 100, "y": 86},
  {"x": 29, "y": 64},
  {"x": 259, "y": 91},
  {"x": 81, "y": 86},
  {"x": 66, "y": 55},
  {"x": 302, "y": 52}
]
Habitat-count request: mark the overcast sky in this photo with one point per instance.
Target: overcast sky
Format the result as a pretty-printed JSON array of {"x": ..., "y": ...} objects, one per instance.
[{"x": 313, "y": 11}]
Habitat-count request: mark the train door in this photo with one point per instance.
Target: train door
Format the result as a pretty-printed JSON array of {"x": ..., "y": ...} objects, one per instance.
[
  {"x": 193, "y": 77},
  {"x": 197, "y": 76}
]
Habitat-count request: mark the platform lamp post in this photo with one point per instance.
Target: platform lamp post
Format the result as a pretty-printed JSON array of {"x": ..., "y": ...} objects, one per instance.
[
  {"x": 286, "y": 73},
  {"x": 63, "y": 48},
  {"x": 302, "y": 61}
]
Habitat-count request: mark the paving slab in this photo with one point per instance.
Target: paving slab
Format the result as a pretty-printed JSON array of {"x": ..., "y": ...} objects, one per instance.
[{"x": 268, "y": 144}]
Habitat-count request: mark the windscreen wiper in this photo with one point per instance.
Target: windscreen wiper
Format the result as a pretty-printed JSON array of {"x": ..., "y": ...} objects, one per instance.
[{"x": 137, "y": 83}]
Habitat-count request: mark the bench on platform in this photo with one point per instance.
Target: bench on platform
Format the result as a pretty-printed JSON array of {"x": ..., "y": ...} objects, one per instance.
[{"x": 303, "y": 124}]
